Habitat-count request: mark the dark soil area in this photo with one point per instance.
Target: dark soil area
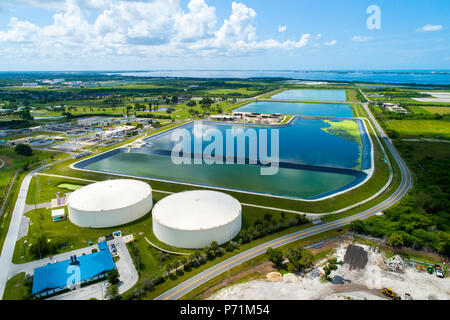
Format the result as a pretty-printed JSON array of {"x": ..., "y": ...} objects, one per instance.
[{"x": 355, "y": 257}]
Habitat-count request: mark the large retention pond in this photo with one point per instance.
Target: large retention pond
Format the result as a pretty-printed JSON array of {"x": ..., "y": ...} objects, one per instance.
[
  {"x": 311, "y": 94},
  {"x": 299, "y": 108},
  {"x": 317, "y": 158}
]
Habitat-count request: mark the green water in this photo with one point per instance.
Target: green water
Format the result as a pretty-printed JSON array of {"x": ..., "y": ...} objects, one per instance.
[{"x": 287, "y": 182}]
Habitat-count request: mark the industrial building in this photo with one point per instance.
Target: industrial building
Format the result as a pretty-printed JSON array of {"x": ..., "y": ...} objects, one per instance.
[
  {"x": 109, "y": 203},
  {"x": 57, "y": 277},
  {"x": 194, "y": 219}
]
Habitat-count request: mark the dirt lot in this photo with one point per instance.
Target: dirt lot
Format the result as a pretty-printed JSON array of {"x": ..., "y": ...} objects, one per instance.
[
  {"x": 256, "y": 272},
  {"x": 365, "y": 283}
]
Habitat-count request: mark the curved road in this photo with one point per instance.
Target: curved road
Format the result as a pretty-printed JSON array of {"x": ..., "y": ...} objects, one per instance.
[{"x": 201, "y": 278}]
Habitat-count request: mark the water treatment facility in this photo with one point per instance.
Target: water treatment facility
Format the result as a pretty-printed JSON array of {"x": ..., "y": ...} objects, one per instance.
[
  {"x": 131, "y": 207},
  {"x": 224, "y": 150},
  {"x": 307, "y": 152}
]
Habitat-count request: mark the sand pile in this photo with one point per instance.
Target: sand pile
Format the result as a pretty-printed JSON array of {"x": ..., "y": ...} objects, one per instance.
[{"x": 274, "y": 276}]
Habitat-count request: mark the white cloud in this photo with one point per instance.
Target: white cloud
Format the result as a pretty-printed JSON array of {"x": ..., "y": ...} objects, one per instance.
[
  {"x": 430, "y": 27},
  {"x": 141, "y": 28},
  {"x": 282, "y": 29},
  {"x": 361, "y": 39},
  {"x": 331, "y": 43}
]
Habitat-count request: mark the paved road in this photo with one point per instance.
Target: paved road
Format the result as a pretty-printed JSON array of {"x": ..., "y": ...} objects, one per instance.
[
  {"x": 201, "y": 278},
  {"x": 14, "y": 228}
]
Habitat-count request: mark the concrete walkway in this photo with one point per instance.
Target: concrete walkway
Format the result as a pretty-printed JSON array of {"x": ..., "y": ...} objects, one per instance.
[{"x": 166, "y": 251}]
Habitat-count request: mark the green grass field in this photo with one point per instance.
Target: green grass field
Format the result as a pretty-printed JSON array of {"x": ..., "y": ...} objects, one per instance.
[
  {"x": 15, "y": 288},
  {"x": 438, "y": 110},
  {"x": 419, "y": 110},
  {"x": 420, "y": 128},
  {"x": 427, "y": 110},
  {"x": 48, "y": 187}
]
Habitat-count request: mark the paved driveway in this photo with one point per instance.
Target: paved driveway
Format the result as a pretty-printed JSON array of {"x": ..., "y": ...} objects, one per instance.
[{"x": 125, "y": 266}]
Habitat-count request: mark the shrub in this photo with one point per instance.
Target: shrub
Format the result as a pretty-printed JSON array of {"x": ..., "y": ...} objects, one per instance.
[{"x": 23, "y": 149}]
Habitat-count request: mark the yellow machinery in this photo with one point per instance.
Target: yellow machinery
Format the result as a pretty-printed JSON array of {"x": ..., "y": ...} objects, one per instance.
[{"x": 391, "y": 294}]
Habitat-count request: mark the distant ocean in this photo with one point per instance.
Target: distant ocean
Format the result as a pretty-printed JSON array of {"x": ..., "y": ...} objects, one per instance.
[{"x": 424, "y": 77}]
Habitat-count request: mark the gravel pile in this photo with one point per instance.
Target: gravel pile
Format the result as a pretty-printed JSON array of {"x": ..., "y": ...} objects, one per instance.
[
  {"x": 395, "y": 263},
  {"x": 355, "y": 257},
  {"x": 340, "y": 280},
  {"x": 315, "y": 273}
]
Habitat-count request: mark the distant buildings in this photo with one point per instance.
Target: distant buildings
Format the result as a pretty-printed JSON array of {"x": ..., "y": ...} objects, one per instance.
[
  {"x": 116, "y": 132},
  {"x": 30, "y": 85},
  {"x": 394, "y": 108},
  {"x": 95, "y": 121}
]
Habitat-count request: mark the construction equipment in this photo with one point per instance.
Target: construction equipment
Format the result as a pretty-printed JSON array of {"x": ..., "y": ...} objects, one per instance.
[
  {"x": 391, "y": 294},
  {"x": 430, "y": 269}
]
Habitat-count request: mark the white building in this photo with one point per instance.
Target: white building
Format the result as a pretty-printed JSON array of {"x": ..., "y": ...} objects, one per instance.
[
  {"x": 194, "y": 219},
  {"x": 110, "y": 203},
  {"x": 117, "y": 132},
  {"x": 58, "y": 215},
  {"x": 394, "y": 108}
]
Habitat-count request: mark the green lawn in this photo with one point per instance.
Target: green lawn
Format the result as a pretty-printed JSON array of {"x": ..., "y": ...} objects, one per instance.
[
  {"x": 15, "y": 288},
  {"x": 420, "y": 128},
  {"x": 48, "y": 187}
]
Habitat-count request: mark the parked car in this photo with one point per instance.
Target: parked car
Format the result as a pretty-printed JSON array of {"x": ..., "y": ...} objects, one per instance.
[
  {"x": 106, "y": 284},
  {"x": 439, "y": 273},
  {"x": 113, "y": 248}
]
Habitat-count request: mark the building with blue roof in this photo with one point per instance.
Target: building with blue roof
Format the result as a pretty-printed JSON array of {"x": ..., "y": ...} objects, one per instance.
[
  {"x": 102, "y": 246},
  {"x": 54, "y": 278}
]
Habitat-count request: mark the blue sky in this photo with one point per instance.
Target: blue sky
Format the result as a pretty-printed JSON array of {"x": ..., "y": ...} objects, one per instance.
[{"x": 222, "y": 34}]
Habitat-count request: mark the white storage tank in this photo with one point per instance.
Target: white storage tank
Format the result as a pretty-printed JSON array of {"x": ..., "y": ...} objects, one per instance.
[
  {"x": 109, "y": 203},
  {"x": 194, "y": 219}
]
